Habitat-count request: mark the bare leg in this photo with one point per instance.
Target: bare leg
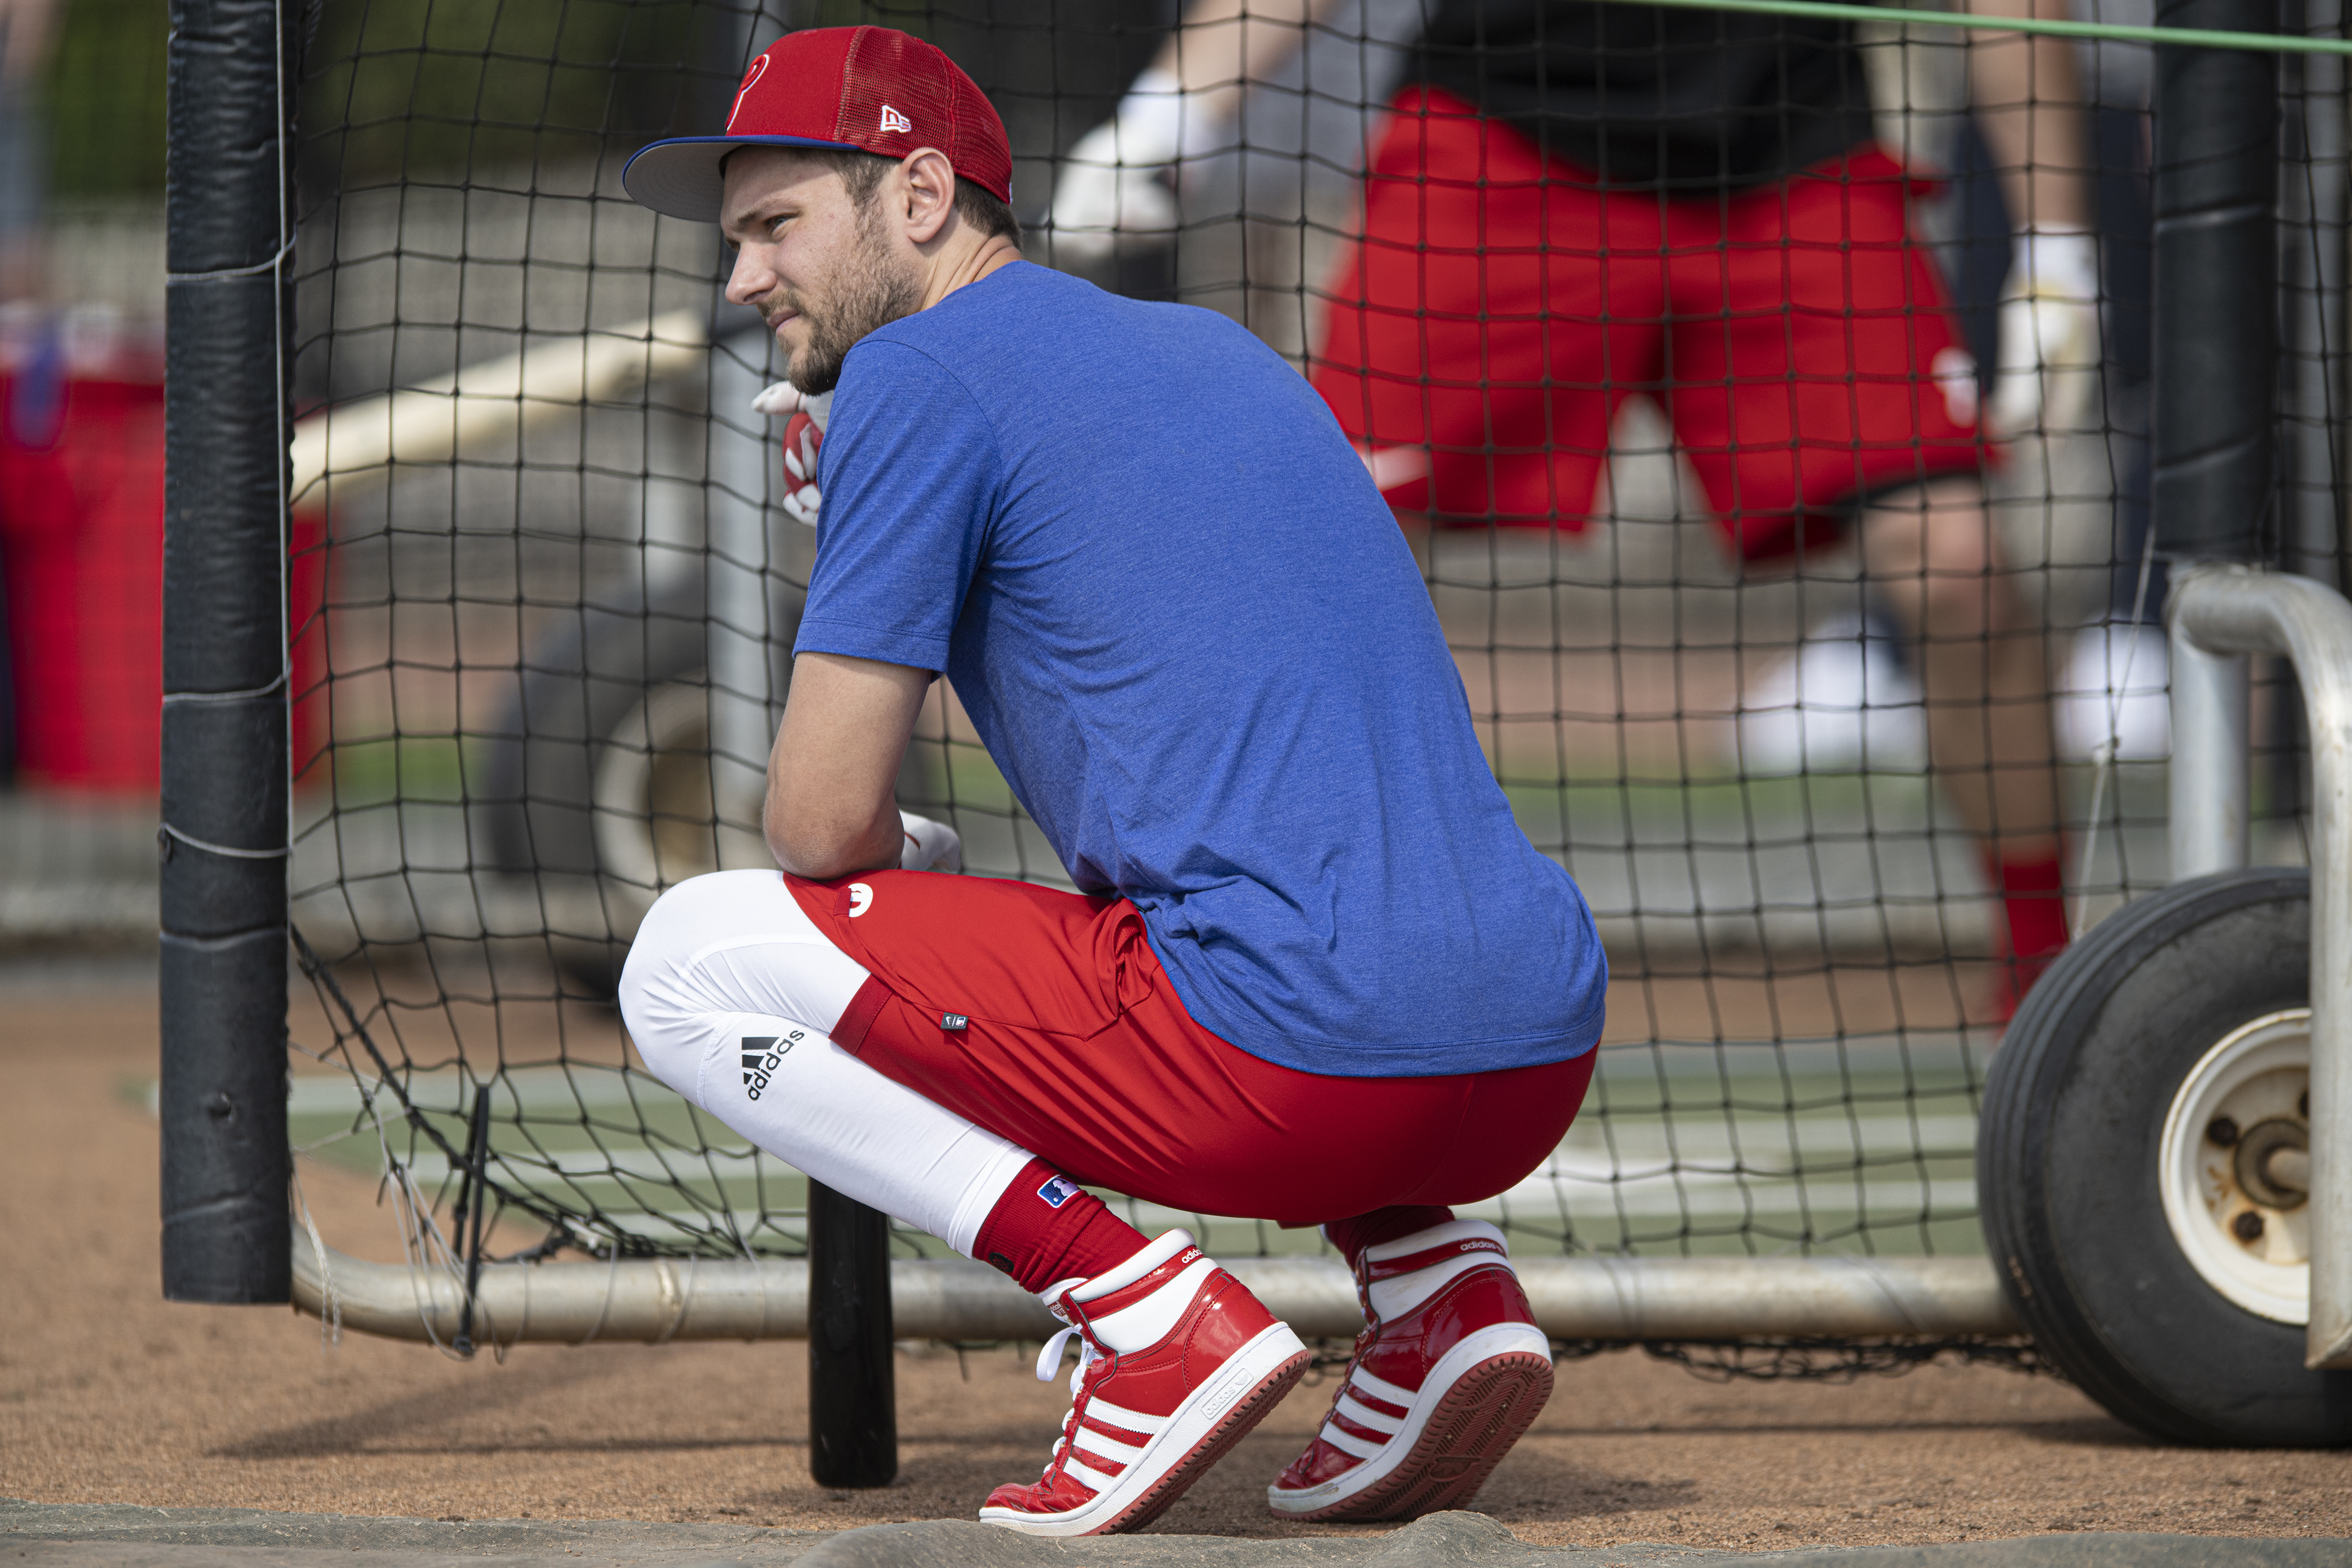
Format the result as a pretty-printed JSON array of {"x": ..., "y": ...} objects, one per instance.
[{"x": 1930, "y": 551}]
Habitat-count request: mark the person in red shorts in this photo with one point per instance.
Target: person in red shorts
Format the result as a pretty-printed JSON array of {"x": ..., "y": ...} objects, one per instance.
[
  {"x": 1576, "y": 202},
  {"x": 1313, "y": 972}
]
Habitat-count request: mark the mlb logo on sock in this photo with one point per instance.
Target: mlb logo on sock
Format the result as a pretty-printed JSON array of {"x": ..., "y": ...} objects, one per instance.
[{"x": 1058, "y": 1191}]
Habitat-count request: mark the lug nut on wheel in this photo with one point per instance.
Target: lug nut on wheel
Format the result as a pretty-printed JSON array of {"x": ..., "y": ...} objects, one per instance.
[{"x": 2273, "y": 1163}]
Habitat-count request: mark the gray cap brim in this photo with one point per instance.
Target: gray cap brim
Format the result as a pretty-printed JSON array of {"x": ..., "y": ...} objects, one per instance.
[{"x": 681, "y": 178}]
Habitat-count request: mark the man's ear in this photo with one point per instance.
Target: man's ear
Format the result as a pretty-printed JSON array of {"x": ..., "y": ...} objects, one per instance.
[{"x": 930, "y": 193}]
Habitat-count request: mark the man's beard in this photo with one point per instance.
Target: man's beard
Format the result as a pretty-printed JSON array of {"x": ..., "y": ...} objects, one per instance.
[{"x": 866, "y": 297}]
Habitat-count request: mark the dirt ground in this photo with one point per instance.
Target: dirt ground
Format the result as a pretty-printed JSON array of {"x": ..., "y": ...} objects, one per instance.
[{"x": 108, "y": 1394}]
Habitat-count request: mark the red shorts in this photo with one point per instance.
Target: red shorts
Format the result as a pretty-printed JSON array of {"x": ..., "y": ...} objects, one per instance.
[
  {"x": 1046, "y": 1017},
  {"x": 1500, "y": 307}
]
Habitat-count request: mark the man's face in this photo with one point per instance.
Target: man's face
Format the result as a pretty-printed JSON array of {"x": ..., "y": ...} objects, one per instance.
[{"x": 823, "y": 271}]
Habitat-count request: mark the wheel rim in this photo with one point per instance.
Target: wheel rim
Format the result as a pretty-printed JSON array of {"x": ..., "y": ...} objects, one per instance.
[
  {"x": 655, "y": 822},
  {"x": 2228, "y": 1171}
]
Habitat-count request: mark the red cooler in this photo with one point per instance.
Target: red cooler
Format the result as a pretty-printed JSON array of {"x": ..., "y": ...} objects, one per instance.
[{"x": 81, "y": 545}]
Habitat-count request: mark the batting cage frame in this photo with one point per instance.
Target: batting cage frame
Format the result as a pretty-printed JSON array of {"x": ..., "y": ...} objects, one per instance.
[{"x": 242, "y": 468}]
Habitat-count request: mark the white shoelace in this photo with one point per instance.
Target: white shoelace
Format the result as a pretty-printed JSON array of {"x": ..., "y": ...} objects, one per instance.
[{"x": 1049, "y": 1362}]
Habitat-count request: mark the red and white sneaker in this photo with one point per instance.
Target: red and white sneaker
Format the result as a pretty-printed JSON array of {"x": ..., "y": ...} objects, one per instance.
[
  {"x": 1449, "y": 1371},
  {"x": 1176, "y": 1361}
]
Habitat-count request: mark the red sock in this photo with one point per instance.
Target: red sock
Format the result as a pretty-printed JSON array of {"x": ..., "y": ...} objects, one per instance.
[
  {"x": 1047, "y": 1228},
  {"x": 1353, "y": 1236},
  {"x": 2036, "y": 904}
]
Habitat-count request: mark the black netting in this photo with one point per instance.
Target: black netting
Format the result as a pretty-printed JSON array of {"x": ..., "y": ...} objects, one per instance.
[{"x": 546, "y": 595}]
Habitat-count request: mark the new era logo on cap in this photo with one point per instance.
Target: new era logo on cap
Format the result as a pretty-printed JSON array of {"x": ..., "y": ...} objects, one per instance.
[{"x": 859, "y": 89}]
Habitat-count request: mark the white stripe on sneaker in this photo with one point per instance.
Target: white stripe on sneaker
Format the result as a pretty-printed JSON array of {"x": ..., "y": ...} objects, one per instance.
[
  {"x": 1092, "y": 1479},
  {"x": 1110, "y": 1415},
  {"x": 1347, "y": 1442},
  {"x": 1110, "y": 1448},
  {"x": 1381, "y": 1388},
  {"x": 1363, "y": 1414}
]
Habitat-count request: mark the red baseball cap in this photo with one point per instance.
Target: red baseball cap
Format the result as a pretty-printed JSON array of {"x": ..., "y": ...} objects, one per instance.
[{"x": 859, "y": 89}]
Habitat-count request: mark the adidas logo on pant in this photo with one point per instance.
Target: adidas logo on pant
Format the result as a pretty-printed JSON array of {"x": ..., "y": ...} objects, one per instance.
[{"x": 763, "y": 1055}]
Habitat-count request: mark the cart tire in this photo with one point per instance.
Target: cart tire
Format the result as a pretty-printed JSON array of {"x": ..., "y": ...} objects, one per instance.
[
  {"x": 2122, "y": 1036},
  {"x": 612, "y": 695}
]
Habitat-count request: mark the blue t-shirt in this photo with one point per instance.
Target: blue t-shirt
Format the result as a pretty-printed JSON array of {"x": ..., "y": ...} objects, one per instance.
[{"x": 1189, "y": 632}]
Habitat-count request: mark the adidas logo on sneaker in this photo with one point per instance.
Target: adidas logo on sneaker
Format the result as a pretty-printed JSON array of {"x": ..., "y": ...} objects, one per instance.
[{"x": 763, "y": 1055}]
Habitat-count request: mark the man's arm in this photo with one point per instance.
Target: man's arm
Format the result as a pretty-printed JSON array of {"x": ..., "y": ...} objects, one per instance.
[
  {"x": 2027, "y": 97},
  {"x": 834, "y": 774},
  {"x": 2029, "y": 105},
  {"x": 1223, "y": 43},
  {"x": 1182, "y": 105}
]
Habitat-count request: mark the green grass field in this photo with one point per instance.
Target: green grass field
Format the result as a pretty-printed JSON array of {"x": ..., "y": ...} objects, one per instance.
[
  {"x": 1859, "y": 1143},
  {"x": 1682, "y": 1150}
]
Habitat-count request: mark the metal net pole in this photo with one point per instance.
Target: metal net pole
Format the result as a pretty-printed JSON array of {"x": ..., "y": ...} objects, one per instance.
[{"x": 226, "y": 1235}]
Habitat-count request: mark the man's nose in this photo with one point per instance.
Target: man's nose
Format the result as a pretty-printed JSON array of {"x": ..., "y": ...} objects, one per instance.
[{"x": 750, "y": 279}]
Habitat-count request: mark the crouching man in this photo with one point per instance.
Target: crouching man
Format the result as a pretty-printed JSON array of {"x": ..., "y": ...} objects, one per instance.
[{"x": 1318, "y": 975}]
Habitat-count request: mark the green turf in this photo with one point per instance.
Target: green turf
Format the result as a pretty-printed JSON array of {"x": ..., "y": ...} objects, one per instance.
[
  {"x": 1690, "y": 1151},
  {"x": 430, "y": 769},
  {"x": 1683, "y": 1147}
]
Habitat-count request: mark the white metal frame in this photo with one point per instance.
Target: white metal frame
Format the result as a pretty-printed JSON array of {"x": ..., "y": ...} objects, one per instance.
[
  {"x": 2219, "y": 615},
  {"x": 659, "y": 1299}
]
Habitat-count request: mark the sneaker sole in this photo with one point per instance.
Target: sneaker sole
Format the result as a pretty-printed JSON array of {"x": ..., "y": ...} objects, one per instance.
[
  {"x": 1262, "y": 1389},
  {"x": 1474, "y": 1424}
]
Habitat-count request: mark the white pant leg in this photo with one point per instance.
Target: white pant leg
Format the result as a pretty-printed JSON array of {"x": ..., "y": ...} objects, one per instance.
[{"x": 730, "y": 993}]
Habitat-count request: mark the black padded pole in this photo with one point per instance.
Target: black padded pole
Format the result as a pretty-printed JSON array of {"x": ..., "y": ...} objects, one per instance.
[
  {"x": 229, "y": 219},
  {"x": 853, "y": 1397},
  {"x": 2216, "y": 307}
]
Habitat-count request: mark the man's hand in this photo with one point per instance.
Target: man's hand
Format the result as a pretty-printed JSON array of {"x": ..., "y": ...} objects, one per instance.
[
  {"x": 2027, "y": 101},
  {"x": 834, "y": 769},
  {"x": 2049, "y": 366},
  {"x": 803, "y": 420},
  {"x": 930, "y": 847},
  {"x": 802, "y": 497}
]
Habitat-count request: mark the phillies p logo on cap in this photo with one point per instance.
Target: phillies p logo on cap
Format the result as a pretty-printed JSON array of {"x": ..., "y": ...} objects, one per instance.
[
  {"x": 852, "y": 89},
  {"x": 750, "y": 79}
]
